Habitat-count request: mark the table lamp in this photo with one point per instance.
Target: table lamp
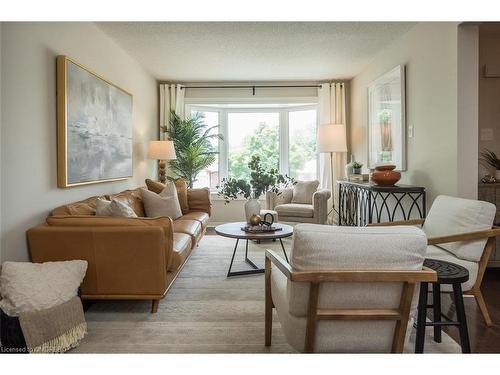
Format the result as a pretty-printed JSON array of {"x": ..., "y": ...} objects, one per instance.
[{"x": 162, "y": 151}]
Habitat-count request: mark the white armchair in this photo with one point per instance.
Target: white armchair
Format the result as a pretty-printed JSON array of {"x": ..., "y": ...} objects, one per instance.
[
  {"x": 346, "y": 289},
  {"x": 461, "y": 231},
  {"x": 304, "y": 203}
]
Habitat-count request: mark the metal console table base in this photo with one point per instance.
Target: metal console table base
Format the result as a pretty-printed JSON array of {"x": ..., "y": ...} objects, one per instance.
[
  {"x": 362, "y": 203},
  {"x": 255, "y": 269}
]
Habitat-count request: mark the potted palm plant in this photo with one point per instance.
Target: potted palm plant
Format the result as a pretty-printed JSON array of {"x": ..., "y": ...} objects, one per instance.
[
  {"x": 194, "y": 149},
  {"x": 261, "y": 181},
  {"x": 490, "y": 159}
]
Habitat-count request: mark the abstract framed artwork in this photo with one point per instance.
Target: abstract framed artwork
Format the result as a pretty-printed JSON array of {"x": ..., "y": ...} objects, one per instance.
[
  {"x": 94, "y": 127},
  {"x": 387, "y": 120}
]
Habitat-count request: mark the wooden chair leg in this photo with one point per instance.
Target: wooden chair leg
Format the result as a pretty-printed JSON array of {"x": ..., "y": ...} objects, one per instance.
[
  {"x": 482, "y": 306},
  {"x": 268, "y": 323},
  {"x": 154, "y": 305}
]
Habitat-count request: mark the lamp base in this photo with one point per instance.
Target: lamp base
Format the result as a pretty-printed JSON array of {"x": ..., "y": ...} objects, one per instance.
[{"x": 162, "y": 171}]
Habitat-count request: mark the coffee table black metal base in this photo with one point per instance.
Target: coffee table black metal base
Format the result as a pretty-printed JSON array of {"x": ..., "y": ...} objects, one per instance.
[
  {"x": 447, "y": 273},
  {"x": 255, "y": 269},
  {"x": 234, "y": 230}
]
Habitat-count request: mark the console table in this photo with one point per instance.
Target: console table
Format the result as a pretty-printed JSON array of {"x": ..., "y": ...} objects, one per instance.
[{"x": 362, "y": 203}]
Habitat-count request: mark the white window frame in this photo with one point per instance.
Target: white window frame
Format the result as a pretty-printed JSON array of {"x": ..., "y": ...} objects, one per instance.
[{"x": 283, "y": 112}]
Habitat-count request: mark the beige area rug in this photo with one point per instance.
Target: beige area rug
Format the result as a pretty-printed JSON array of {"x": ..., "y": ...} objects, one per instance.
[{"x": 204, "y": 312}]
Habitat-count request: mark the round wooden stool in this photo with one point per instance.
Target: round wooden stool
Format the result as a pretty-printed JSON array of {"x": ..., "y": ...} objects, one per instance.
[{"x": 447, "y": 273}]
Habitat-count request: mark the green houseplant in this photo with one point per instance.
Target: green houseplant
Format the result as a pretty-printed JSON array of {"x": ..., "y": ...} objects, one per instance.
[
  {"x": 193, "y": 146},
  {"x": 356, "y": 167},
  {"x": 261, "y": 181},
  {"x": 490, "y": 159}
]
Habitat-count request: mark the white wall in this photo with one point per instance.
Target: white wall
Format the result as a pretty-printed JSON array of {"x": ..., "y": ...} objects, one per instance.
[
  {"x": 28, "y": 137},
  {"x": 429, "y": 51},
  {"x": 468, "y": 110}
]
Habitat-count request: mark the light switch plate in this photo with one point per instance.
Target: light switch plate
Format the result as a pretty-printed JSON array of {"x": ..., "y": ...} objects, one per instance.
[{"x": 487, "y": 134}]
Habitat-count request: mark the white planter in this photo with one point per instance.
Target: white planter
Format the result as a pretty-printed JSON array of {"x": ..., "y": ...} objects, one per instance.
[
  {"x": 497, "y": 175},
  {"x": 252, "y": 207}
]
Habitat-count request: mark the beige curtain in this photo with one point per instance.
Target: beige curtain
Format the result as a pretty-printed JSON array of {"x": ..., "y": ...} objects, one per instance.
[
  {"x": 331, "y": 110},
  {"x": 171, "y": 98}
]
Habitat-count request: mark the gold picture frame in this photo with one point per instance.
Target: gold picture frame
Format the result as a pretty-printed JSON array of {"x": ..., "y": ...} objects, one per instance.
[{"x": 94, "y": 127}]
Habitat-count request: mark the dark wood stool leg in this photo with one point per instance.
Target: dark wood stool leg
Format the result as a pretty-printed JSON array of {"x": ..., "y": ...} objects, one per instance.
[
  {"x": 459, "y": 305},
  {"x": 421, "y": 316},
  {"x": 436, "y": 314}
]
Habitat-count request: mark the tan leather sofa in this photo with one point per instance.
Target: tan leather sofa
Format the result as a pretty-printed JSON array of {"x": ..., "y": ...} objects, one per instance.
[{"x": 128, "y": 258}]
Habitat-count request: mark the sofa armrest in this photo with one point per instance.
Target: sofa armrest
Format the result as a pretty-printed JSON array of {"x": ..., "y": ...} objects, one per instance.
[
  {"x": 199, "y": 200},
  {"x": 273, "y": 199},
  {"x": 320, "y": 205},
  {"x": 121, "y": 261}
]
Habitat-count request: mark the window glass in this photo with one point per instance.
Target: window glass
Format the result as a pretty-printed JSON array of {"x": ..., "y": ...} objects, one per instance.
[
  {"x": 252, "y": 134},
  {"x": 302, "y": 158}
]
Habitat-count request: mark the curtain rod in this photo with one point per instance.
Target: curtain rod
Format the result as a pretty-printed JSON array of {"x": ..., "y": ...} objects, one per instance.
[
  {"x": 248, "y": 86},
  {"x": 253, "y": 87}
]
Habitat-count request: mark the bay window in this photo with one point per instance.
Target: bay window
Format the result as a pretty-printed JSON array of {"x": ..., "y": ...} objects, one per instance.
[{"x": 283, "y": 135}]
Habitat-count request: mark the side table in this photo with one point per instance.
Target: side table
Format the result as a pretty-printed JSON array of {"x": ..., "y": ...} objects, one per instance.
[{"x": 447, "y": 273}]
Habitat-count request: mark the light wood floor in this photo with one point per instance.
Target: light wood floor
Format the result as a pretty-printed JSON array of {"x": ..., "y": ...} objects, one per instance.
[{"x": 204, "y": 312}]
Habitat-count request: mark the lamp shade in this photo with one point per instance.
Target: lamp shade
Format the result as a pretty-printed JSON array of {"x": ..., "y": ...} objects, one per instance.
[
  {"x": 161, "y": 150},
  {"x": 332, "y": 138}
]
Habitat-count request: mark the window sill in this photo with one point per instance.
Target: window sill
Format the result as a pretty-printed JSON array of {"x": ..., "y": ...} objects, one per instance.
[{"x": 214, "y": 198}]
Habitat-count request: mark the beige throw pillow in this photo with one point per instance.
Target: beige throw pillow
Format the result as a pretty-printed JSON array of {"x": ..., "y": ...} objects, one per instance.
[
  {"x": 164, "y": 204},
  {"x": 113, "y": 208},
  {"x": 303, "y": 191}
]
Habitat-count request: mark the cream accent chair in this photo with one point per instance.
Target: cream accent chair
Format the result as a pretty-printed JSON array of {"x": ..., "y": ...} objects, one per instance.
[
  {"x": 346, "y": 289},
  {"x": 315, "y": 211},
  {"x": 461, "y": 231}
]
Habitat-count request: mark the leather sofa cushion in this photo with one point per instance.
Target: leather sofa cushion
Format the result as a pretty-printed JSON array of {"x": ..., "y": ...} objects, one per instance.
[
  {"x": 182, "y": 248},
  {"x": 191, "y": 227},
  {"x": 84, "y": 207},
  {"x": 199, "y": 200},
  {"x": 295, "y": 209},
  {"x": 181, "y": 187},
  {"x": 131, "y": 198},
  {"x": 202, "y": 217}
]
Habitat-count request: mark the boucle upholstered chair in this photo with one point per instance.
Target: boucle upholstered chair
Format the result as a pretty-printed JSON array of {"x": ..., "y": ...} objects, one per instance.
[
  {"x": 461, "y": 231},
  {"x": 346, "y": 289},
  {"x": 304, "y": 203}
]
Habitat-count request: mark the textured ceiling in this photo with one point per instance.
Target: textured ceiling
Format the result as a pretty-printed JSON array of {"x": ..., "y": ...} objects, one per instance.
[{"x": 253, "y": 51}]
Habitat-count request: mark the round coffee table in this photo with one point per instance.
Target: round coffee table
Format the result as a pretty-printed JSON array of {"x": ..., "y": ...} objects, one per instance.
[{"x": 233, "y": 230}]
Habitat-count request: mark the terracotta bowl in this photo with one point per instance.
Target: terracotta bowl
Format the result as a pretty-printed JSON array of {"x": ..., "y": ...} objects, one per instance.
[{"x": 385, "y": 175}]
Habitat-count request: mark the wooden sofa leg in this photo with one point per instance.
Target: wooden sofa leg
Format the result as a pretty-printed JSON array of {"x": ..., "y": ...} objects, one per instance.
[
  {"x": 482, "y": 306},
  {"x": 154, "y": 305}
]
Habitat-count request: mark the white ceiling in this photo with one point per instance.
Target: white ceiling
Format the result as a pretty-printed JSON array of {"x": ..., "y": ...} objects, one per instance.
[{"x": 253, "y": 51}]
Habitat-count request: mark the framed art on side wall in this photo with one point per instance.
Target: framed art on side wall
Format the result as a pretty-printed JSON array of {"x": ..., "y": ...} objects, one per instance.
[
  {"x": 387, "y": 120},
  {"x": 94, "y": 127}
]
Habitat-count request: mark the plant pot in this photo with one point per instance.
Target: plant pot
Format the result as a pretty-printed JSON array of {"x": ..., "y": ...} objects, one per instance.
[
  {"x": 384, "y": 175},
  {"x": 252, "y": 207},
  {"x": 356, "y": 170},
  {"x": 497, "y": 175}
]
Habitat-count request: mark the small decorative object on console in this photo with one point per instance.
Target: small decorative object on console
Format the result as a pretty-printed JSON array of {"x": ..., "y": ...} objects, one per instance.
[
  {"x": 488, "y": 179},
  {"x": 385, "y": 175}
]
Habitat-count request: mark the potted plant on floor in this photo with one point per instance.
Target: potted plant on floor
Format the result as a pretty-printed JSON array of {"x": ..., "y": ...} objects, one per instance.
[
  {"x": 490, "y": 159},
  {"x": 194, "y": 149},
  {"x": 261, "y": 181}
]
